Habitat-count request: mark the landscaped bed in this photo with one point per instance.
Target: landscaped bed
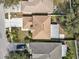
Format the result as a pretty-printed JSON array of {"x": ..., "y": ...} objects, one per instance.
[
  {"x": 13, "y": 15},
  {"x": 18, "y": 55},
  {"x": 17, "y": 35}
]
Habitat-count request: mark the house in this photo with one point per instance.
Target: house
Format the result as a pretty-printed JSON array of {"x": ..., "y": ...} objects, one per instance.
[
  {"x": 36, "y": 17},
  {"x": 44, "y": 50},
  {"x": 37, "y": 6}
]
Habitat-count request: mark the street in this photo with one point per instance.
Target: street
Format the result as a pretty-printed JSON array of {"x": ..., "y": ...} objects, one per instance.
[{"x": 3, "y": 40}]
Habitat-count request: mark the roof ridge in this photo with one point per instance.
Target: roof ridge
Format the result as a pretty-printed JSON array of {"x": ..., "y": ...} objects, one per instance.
[{"x": 54, "y": 49}]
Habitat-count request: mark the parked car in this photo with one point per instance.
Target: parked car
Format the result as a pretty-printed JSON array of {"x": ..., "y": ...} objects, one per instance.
[{"x": 17, "y": 47}]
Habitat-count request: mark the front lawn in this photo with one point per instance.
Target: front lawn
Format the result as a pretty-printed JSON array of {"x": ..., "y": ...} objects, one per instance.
[{"x": 17, "y": 35}]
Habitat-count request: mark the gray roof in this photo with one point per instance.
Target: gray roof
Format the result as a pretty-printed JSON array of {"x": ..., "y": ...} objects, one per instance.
[
  {"x": 37, "y": 6},
  {"x": 43, "y": 50}
]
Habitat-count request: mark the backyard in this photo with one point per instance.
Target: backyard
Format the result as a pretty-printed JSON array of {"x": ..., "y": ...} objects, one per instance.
[
  {"x": 61, "y": 7},
  {"x": 63, "y": 21},
  {"x": 71, "y": 52},
  {"x": 70, "y": 20}
]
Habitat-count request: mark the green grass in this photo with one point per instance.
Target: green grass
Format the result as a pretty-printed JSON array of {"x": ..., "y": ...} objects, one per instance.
[
  {"x": 18, "y": 55},
  {"x": 61, "y": 20},
  {"x": 21, "y": 35},
  {"x": 71, "y": 54},
  {"x": 53, "y": 18},
  {"x": 17, "y": 35},
  {"x": 77, "y": 1},
  {"x": 57, "y": 2}
]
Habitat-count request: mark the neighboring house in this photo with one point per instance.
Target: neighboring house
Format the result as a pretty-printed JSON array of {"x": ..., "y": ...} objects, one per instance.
[
  {"x": 44, "y": 50},
  {"x": 14, "y": 8},
  {"x": 37, "y": 6}
]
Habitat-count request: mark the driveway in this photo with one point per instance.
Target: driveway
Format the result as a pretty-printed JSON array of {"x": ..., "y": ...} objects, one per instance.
[{"x": 3, "y": 40}]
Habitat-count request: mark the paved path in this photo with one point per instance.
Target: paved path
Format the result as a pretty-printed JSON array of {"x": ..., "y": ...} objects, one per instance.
[
  {"x": 3, "y": 40},
  {"x": 76, "y": 49}
]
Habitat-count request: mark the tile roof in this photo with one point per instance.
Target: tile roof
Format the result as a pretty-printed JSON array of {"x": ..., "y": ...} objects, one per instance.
[
  {"x": 41, "y": 27},
  {"x": 41, "y": 23},
  {"x": 27, "y": 22},
  {"x": 37, "y": 6}
]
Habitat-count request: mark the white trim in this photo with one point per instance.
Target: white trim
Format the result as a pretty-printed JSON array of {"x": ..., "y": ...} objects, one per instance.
[
  {"x": 64, "y": 50},
  {"x": 62, "y": 36},
  {"x": 24, "y": 29}
]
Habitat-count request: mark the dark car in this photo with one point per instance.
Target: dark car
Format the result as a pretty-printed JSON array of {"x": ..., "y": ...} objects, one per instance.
[
  {"x": 20, "y": 47},
  {"x": 17, "y": 47}
]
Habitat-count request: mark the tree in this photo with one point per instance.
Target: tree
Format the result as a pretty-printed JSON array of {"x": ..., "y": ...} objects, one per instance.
[
  {"x": 71, "y": 21},
  {"x": 1, "y": 1},
  {"x": 63, "y": 7}
]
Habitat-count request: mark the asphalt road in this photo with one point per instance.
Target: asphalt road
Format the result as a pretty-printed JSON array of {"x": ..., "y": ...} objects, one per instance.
[{"x": 3, "y": 40}]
